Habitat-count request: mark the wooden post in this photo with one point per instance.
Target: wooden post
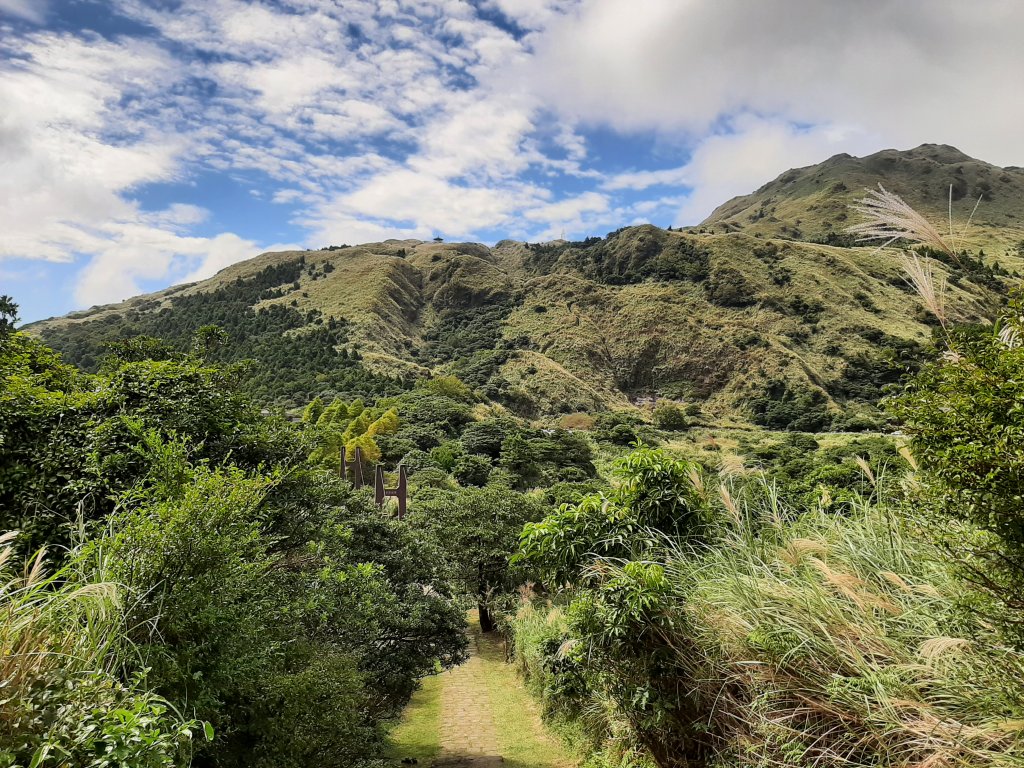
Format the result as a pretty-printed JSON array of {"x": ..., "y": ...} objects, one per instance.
[
  {"x": 402, "y": 490},
  {"x": 357, "y": 474},
  {"x": 380, "y": 493},
  {"x": 378, "y": 487},
  {"x": 357, "y": 467}
]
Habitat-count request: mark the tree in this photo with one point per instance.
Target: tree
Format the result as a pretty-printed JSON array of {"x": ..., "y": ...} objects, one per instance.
[
  {"x": 8, "y": 316},
  {"x": 668, "y": 415},
  {"x": 208, "y": 339},
  {"x": 965, "y": 416},
  {"x": 477, "y": 530},
  {"x": 312, "y": 413}
]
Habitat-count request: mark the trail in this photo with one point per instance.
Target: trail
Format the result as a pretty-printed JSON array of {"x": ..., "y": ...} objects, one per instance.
[
  {"x": 468, "y": 737},
  {"x": 477, "y": 715}
]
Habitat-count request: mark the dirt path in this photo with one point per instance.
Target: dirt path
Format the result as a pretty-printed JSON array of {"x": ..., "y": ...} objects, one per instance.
[
  {"x": 468, "y": 737},
  {"x": 477, "y": 715}
]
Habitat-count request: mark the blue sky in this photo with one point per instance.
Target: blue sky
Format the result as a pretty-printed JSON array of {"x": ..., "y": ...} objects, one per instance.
[{"x": 149, "y": 142}]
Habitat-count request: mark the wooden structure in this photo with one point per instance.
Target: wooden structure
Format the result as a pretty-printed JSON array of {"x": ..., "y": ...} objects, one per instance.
[
  {"x": 380, "y": 493},
  {"x": 357, "y": 467}
]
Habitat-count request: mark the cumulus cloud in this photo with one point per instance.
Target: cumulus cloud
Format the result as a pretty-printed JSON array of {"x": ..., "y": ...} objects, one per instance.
[
  {"x": 905, "y": 69},
  {"x": 756, "y": 88},
  {"x": 408, "y": 118}
]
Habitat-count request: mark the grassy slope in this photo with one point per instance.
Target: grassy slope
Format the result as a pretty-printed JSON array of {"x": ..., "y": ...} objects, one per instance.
[{"x": 816, "y": 200}]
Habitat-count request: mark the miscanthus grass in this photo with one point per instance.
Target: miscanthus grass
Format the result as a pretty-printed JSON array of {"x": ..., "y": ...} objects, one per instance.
[
  {"x": 71, "y": 687},
  {"x": 839, "y": 641}
]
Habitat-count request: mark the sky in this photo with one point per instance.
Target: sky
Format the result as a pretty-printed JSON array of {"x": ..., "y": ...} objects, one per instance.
[{"x": 145, "y": 143}]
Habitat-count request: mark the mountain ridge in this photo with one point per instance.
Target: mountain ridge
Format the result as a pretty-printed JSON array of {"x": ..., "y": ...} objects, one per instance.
[{"x": 736, "y": 315}]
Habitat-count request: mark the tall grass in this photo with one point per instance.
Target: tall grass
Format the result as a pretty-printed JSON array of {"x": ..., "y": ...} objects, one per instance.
[
  {"x": 838, "y": 640},
  {"x": 814, "y": 639},
  {"x": 68, "y": 695}
]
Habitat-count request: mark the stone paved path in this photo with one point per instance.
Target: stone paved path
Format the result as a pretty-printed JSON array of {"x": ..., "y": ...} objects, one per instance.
[{"x": 468, "y": 734}]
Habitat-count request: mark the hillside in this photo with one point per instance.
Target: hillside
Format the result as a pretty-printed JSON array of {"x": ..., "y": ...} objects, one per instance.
[
  {"x": 757, "y": 322},
  {"x": 813, "y": 203}
]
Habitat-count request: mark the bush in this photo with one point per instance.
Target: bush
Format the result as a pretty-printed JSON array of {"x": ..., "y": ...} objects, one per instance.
[
  {"x": 793, "y": 639},
  {"x": 963, "y": 415},
  {"x": 62, "y": 653},
  {"x": 668, "y": 415}
]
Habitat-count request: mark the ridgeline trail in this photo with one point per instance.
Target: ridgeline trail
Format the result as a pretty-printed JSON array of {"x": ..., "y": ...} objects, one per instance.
[{"x": 477, "y": 715}]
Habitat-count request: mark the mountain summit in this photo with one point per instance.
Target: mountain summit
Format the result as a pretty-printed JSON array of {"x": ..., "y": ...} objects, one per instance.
[{"x": 813, "y": 203}]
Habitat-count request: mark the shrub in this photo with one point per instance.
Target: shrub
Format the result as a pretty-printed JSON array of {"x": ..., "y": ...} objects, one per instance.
[
  {"x": 63, "y": 652},
  {"x": 668, "y": 415},
  {"x": 963, "y": 415},
  {"x": 796, "y": 639}
]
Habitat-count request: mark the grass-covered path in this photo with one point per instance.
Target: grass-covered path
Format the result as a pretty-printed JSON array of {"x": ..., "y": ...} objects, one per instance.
[{"x": 478, "y": 715}]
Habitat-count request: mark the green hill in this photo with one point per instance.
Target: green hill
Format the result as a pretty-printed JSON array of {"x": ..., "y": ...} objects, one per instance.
[
  {"x": 813, "y": 203},
  {"x": 745, "y": 316}
]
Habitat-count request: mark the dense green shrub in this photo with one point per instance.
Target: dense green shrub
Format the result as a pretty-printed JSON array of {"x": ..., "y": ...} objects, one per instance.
[
  {"x": 793, "y": 639},
  {"x": 786, "y": 405},
  {"x": 258, "y": 589},
  {"x": 70, "y": 442},
  {"x": 727, "y": 287},
  {"x": 963, "y": 413},
  {"x": 73, "y": 692},
  {"x": 297, "y": 356},
  {"x": 668, "y": 415}
]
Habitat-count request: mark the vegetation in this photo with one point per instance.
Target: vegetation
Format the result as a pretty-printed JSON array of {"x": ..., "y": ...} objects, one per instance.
[
  {"x": 294, "y": 355},
  {"x": 712, "y": 318},
  {"x": 235, "y": 581},
  {"x": 202, "y": 586}
]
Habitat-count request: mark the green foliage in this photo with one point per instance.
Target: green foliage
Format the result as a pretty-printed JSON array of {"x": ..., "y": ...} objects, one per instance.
[
  {"x": 256, "y": 587},
  {"x": 799, "y": 637},
  {"x": 627, "y": 256},
  {"x": 668, "y": 415},
  {"x": 70, "y": 443},
  {"x": 448, "y": 386},
  {"x": 964, "y": 415},
  {"x": 460, "y": 333},
  {"x": 486, "y": 437},
  {"x": 619, "y": 427},
  {"x": 263, "y": 596},
  {"x": 476, "y": 530},
  {"x": 784, "y": 405},
  {"x": 534, "y": 458},
  {"x": 8, "y": 316},
  {"x": 727, "y": 287},
  {"x": 655, "y": 496},
  {"x": 471, "y": 470},
  {"x": 73, "y": 694}
]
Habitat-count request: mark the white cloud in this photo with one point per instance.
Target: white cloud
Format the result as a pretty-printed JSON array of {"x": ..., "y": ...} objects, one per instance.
[
  {"x": 424, "y": 204},
  {"x": 132, "y": 253},
  {"x": 908, "y": 71},
  {"x": 409, "y": 118},
  {"x": 568, "y": 209},
  {"x": 30, "y": 10},
  {"x": 754, "y": 152}
]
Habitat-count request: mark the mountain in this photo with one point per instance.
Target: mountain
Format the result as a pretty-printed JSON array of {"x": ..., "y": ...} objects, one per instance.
[
  {"x": 745, "y": 316},
  {"x": 813, "y": 203}
]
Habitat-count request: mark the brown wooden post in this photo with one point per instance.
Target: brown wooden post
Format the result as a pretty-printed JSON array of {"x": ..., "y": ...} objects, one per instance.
[
  {"x": 378, "y": 486},
  {"x": 358, "y": 469},
  {"x": 403, "y": 490},
  {"x": 380, "y": 493}
]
